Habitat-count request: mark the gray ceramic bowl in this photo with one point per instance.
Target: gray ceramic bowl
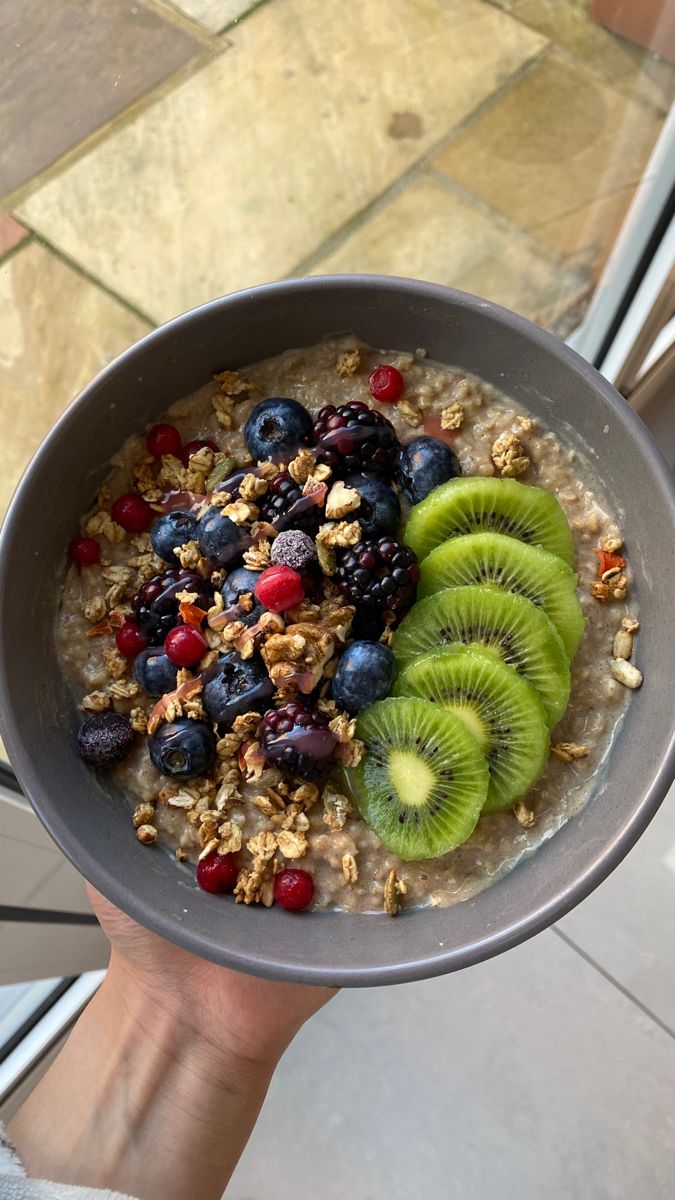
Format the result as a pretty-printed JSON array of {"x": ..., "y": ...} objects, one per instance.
[{"x": 83, "y": 811}]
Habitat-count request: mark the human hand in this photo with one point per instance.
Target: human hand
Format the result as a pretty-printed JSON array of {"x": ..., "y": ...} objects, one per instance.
[{"x": 254, "y": 1018}]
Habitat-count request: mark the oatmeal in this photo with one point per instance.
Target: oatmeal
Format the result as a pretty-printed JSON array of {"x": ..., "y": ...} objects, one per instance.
[{"x": 221, "y": 596}]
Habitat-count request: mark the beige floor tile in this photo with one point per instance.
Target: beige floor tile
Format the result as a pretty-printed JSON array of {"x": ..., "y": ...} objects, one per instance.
[
  {"x": 58, "y": 330},
  {"x": 555, "y": 143},
  {"x": 215, "y": 14},
  {"x": 430, "y": 233},
  {"x": 588, "y": 232},
  {"x": 611, "y": 58},
  {"x": 66, "y": 69},
  {"x": 241, "y": 172}
]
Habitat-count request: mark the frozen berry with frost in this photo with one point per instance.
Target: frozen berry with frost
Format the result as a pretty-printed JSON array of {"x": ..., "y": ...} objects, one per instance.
[
  {"x": 105, "y": 739},
  {"x": 294, "y": 549}
]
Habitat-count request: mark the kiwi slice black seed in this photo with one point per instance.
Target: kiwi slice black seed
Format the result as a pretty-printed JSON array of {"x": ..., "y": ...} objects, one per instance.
[
  {"x": 513, "y": 566},
  {"x": 511, "y": 626},
  {"x": 500, "y": 708},
  {"x": 423, "y": 779},
  {"x": 478, "y": 504}
]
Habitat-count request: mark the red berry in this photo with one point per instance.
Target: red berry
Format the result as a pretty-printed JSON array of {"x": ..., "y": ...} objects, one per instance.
[
  {"x": 85, "y": 551},
  {"x": 293, "y": 889},
  {"x": 164, "y": 439},
  {"x": 279, "y": 588},
  {"x": 131, "y": 512},
  {"x": 386, "y": 384},
  {"x": 192, "y": 448},
  {"x": 185, "y": 645},
  {"x": 217, "y": 872},
  {"x": 130, "y": 639}
]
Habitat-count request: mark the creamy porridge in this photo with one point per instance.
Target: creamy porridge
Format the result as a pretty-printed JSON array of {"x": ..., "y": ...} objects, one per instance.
[{"x": 259, "y": 799}]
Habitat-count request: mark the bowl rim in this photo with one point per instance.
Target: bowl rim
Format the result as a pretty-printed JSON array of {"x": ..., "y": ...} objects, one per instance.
[{"x": 102, "y": 876}]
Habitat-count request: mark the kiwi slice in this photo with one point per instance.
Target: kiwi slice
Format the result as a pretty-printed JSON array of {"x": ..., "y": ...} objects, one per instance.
[
  {"x": 511, "y": 626},
  {"x": 480, "y": 505},
  {"x": 500, "y": 708},
  {"x": 423, "y": 780},
  {"x": 513, "y": 566}
]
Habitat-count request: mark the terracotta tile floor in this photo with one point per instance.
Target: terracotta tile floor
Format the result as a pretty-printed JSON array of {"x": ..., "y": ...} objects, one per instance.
[{"x": 161, "y": 152}]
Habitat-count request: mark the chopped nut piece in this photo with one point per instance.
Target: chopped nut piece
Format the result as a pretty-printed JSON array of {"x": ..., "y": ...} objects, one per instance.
[
  {"x": 180, "y": 854},
  {"x": 626, "y": 673},
  {"x": 411, "y": 413},
  {"x": 619, "y": 587},
  {"x": 610, "y": 574},
  {"x": 336, "y": 809},
  {"x": 241, "y": 511},
  {"x": 263, "y": 845},
  {"x": 230, "y": 838},
  {"x": 568, "y": 751},
  {"x": 348, "y": 363},
  {"x": 524, "y": 815},
  {"x": 452, "y": 417},
  {"x": 305, "y": 795},
  {"x": 94, "y": 610},
  {"x": 349, "y": 754},
  {"x": 302, "y": 467},
  {"x": 611, "y": 545},
  {"x": 343, "y": 727},
  {"x": 508, "y": 455},
  {"x": 600, "y": 591},
  {"x": 96, "y": 702},
  {"x": 143, "y": 814},
  {"x": 124, "y": 689},
  {"x": 394, "y": 888},
  {"x": 147, "y": 834},
  {"x": 257, "y": 557},
  {"x": 115, "y": 663},
  {"x": 246, "y": 725},
  {"x": 102, "y": 522},
  {"x": 350, "y": 871},
  {"x": 622, "y": 647},
  {"x": 344, "y": 533},
  {"x": 234, "y": 384},
  {"x": 341, "y": 500},
  {"x": 138, "y": 720},
  {"x": 252, "y": 487},
  {"x": 291, "y": 844},
  {"x": 630, "y": 624}
]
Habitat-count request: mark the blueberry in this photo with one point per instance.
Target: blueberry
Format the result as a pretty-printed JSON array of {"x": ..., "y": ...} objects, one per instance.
[
  {"x": 424, "y": 463},
  {"x": 234, "y": 687},
  {"x": 277, "y": 428},
  {"x": 155, "y": 672},
  {"x": 380, "y": 508},
  {"x": 173, "y": 529},
  {"x": 239, "y": 583},
  {"x": 219, "y": 538},
  {"x": 183, "y": 749},
  {"x": 105, "y": 739},
  {"x": 365, "y": 674}
]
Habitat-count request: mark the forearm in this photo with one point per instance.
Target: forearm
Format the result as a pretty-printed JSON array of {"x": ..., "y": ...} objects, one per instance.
[{"x": 139, "y": 1103}]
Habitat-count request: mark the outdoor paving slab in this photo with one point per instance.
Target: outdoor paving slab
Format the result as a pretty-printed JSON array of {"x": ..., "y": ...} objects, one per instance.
[
  {"x": 66, "y": 69},
  {"x": 552, "y": 145},
  {"x": 58, "y": 330},
  {"x": 242, "y": 171},
  {"x": 527, "y": 1076},
  {"x": 430, "y": 232}
]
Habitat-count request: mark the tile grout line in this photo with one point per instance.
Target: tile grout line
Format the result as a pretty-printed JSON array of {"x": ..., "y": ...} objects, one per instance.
[
  {"x": 237, "y": 21},
  {"x": 177, "y": 19},
  {"x": 411, "y": 173},
  {"x": 4, "y": 258},
  {"x": 92, "y": 279},
  {"x": 592, "y": 962}
]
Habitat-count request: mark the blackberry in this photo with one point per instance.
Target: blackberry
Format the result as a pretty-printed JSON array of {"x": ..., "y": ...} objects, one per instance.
[
  {"x": 354, "y": 438},
  {"x": 378, "y": 575},
  {"x": 297, "y": 739},
  {"x": 281, "y": 505},
  {"x": 156, "y": 604}
]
